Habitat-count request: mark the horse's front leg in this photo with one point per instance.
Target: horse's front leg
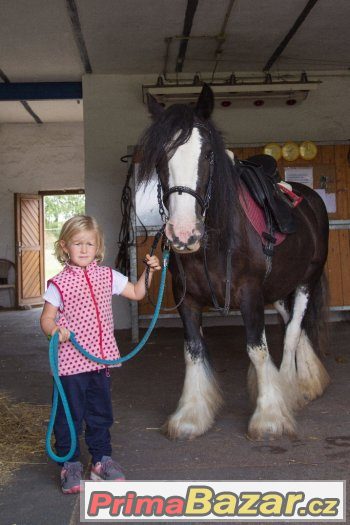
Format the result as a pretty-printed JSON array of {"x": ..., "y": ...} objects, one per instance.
[
  {"x": 273, "y": 415},
  {"x": 201, "y": 398}
]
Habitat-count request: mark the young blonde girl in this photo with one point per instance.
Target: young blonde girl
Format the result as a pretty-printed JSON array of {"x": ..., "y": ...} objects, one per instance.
[{"x": 79, "y": 299}]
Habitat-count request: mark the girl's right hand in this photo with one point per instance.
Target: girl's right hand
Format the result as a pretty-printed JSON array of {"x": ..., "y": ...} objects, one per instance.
[{"x": 63, "y": 334}]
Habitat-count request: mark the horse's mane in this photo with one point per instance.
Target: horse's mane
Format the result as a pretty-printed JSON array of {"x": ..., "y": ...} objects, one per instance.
[
  {"x": 225, "y": 196},
  {"x": 158, "y": 140}
]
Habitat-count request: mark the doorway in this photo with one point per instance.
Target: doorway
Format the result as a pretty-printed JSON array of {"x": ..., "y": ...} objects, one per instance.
[
  {"x": 57, "y": 209},
  {"x": 39, "y": 218}
]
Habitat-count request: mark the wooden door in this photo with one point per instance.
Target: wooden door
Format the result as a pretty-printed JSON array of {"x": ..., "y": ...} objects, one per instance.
[{"x": 29, "y": 249}]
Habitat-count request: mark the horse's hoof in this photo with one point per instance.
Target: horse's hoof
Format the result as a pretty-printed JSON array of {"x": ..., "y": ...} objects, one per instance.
[
  {"x": 184, "y": 431},
  {"x": 270, "y": 432}
]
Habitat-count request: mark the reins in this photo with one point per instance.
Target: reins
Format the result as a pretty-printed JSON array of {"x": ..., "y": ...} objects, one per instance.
[
  {"x": 223, "y": 310},
  {"x": 58, "y": 388}
]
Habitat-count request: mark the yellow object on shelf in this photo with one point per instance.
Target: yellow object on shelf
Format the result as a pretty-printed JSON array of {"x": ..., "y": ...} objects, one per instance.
[
  {"x": 290, "y": 151},
  {"x": 308, "y": 150},
  {"x": 274, "y": 150}
]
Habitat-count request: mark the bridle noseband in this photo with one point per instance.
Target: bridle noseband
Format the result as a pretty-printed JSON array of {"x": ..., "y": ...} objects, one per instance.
[{"x": 203, "y": 202}]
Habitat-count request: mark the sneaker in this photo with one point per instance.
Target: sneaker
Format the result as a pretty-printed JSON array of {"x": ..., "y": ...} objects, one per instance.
[
  {"x": 106, "y": 470},
  {"x": 71, "y": 475}
]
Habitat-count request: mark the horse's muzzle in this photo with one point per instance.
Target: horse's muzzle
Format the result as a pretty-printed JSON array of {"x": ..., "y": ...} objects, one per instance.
[{"x": 185, "y": 240}]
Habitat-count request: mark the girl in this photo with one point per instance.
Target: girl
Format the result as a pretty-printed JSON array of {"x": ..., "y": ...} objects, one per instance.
[{"x": 79, "y": 299}]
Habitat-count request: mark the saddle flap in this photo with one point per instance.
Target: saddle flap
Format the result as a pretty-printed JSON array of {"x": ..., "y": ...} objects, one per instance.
[{"x": 266, "y": 193}]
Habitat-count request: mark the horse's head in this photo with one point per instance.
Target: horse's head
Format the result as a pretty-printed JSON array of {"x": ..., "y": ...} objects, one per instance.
[{"x": 184, "y": 160}]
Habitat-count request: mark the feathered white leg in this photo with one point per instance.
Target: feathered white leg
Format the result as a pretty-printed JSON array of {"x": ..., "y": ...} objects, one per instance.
[
  {"x": 272, "y": 416},
  {"x": 199, "y": 402},
  {"x": 312, "y": 376}
]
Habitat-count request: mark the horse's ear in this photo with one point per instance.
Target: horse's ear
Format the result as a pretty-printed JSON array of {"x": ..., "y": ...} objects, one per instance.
[
  {"x": 205, "y": 103},
  {"x": 154, "y": 107}
]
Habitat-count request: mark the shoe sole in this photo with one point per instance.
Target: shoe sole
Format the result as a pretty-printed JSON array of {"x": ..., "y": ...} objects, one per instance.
[
  {"x": 73, "y": 490},
  {"x": 96, "y": 477}
]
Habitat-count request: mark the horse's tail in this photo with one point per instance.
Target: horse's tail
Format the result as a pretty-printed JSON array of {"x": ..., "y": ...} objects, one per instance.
[{"x": 315, "y": 322}]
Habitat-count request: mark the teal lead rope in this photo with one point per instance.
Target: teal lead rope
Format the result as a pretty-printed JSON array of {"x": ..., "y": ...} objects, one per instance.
[{"x": 58, "y": 388}]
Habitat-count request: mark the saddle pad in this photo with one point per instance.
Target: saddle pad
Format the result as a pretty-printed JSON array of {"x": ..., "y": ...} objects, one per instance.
[{"x": 256, "y": 216}]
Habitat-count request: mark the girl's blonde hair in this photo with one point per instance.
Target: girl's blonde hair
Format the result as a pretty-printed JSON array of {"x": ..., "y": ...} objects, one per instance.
[{"x": 78, "y": 224}]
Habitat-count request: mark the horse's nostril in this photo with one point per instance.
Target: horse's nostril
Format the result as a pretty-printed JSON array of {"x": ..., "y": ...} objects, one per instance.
[{"x": 193, "y": 239}]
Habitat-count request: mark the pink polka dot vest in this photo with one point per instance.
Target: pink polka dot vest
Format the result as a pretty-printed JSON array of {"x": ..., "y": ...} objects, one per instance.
[{"x": 87, "y": 311}]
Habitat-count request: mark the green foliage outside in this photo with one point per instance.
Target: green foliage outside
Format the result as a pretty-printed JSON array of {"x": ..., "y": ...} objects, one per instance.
[{"x": 57, "y": 210}]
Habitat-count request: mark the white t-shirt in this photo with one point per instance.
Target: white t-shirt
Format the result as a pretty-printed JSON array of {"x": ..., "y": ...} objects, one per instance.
[{"x": 53, "y": 296}]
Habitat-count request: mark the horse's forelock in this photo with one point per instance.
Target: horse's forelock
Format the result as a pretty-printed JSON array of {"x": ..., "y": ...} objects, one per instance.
[{"x": 172, "y": 129}]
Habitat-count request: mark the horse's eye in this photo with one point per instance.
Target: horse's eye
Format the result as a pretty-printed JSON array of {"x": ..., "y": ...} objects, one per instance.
[{"x": 208, "y": 155}]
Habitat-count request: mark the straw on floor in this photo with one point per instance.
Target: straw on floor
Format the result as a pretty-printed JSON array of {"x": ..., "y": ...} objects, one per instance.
[{"x": 22, "y": 435}]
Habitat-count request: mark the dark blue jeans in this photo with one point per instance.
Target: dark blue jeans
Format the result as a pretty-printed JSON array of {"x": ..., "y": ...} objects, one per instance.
[{"x": 89, "y": 399}]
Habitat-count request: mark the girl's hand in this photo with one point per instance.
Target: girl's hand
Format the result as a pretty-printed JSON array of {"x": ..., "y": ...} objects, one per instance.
[
  {"x": 63, "y": 334},
  {"x": 152, "y": 262}
]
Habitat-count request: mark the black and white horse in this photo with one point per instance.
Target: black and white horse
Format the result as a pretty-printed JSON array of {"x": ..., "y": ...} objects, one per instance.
[{"x": 201, "y": 186}]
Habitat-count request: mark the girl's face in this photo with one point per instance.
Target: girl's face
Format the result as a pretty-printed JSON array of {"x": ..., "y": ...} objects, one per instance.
[{"x": 81, "y": 248}]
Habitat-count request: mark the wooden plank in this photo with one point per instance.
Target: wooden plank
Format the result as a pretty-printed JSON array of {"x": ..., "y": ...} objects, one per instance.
[
  {"x": 341, "y": 154},
  {"x": 334, "y": 270},
  {"x": 327, "y": 154},
  {"x": 342, "y": 180},
  {"x": 347, "y": 178},
  {"x": 344, "y": 245},
  {"x": 341, "y": 193},
  {"x": 247, "y": 152},
  {"x": 238, "y": 152}
]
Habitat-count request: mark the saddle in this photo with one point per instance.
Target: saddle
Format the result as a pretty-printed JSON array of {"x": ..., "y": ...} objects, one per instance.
[{"x": 260, "y": 175}]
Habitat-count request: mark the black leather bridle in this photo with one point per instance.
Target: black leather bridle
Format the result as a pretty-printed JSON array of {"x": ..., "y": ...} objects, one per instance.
[{"x": 203, "y": 202}]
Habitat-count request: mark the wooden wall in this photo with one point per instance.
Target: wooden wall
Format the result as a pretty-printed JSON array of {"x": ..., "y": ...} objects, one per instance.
[{"x": 331, "y": 162}]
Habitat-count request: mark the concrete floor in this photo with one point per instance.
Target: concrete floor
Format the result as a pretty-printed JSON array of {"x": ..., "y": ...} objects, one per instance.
[{"x": 146, "y": 390}]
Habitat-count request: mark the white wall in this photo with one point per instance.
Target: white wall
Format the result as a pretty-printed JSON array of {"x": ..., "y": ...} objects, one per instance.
[
  {"x": 114, "y": 117},
  {"x": 36, "y": 157}
]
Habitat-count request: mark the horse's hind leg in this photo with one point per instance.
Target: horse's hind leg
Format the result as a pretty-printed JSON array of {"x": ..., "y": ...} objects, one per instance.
[
  {"x": 288, "y": 368},
  {"x": 201, "y": 398},
  {"x": 272, "y": 416},
  {"x": 301, "y": 369}
]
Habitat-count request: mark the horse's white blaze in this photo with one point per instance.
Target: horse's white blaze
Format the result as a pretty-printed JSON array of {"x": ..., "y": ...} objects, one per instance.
[
  {"x": 183, "y": 171},
  {"x": 312, "y": 376},
  {"x": 199, "y": 402},
  {"x": 273, "y": 416}
]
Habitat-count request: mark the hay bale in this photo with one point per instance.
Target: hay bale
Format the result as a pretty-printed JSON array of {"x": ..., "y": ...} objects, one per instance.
[{"x": 22, "y": 430}]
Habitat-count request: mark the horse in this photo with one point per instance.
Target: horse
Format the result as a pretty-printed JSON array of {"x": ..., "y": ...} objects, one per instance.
[{"x": 222, "y": 259}]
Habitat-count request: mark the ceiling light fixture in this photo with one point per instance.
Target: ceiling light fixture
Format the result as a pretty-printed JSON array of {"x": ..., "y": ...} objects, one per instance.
[{"x": 232, "y": 90}]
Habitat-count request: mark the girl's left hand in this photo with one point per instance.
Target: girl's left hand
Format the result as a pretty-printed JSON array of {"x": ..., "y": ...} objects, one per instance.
[{"x": 152, "y": 262}]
